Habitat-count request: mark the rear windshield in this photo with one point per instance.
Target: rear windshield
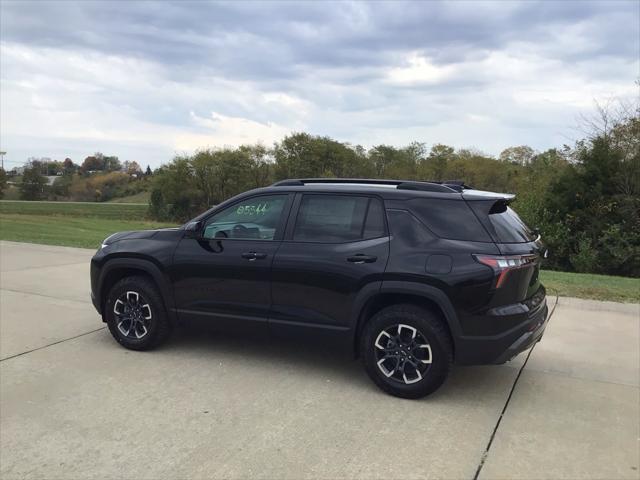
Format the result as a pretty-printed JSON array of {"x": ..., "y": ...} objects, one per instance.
[
  {"x": 509, "y": 227},
  {"x": 451, "y": 219}
]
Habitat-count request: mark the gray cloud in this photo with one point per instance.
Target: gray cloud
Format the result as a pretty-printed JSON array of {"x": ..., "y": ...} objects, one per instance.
[
  {"x": 352, "y": 70},
  {"x": 250, "y": 38}
]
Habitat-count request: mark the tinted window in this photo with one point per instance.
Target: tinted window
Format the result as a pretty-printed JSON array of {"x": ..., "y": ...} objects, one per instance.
[
  {"x": 374, "y": 225},
  {"x": 338, "y": 218},
  {"x": 452, "y": 219},
  {"x": 255, "y": 218},
  {"x": 509, "y": 228},
  {"x": 407, "y": 229}
]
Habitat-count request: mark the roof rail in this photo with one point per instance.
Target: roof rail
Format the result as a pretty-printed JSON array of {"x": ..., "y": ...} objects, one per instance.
[
  {"x": 399, "y": 184},
  {"x": 425, "y": 187},
  {"x": 457, "y": 185},
  {"x": 288, "y": 183}
]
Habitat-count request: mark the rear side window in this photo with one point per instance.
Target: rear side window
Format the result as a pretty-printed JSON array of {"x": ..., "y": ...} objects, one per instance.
[
  {"x": 338, "y": 219},
  {"x": 509, "y": 227},
  {"x": 451, "y": 219}
]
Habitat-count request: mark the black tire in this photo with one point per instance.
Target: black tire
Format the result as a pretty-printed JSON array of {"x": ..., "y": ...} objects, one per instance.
[
  {"x": 153, "y": 330},
  {"x": 435, "y": 354}
]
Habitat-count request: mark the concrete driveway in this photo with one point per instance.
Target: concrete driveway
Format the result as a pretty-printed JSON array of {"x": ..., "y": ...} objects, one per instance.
[{"x": 73, "y": 404}]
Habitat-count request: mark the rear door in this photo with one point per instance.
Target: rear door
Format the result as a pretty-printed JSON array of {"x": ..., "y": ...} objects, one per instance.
[{"x": 336, "y": 246}]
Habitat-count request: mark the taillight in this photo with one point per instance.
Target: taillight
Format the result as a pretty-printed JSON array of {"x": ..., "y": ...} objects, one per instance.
[{"x": 503, "y": 264}]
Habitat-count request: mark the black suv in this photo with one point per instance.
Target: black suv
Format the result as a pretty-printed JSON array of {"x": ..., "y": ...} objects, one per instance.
[{"x": 410, "y": 276}]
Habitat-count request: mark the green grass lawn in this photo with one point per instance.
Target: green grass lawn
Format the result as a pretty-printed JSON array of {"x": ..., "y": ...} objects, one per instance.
[
  {"x": 587, "y": 285},
  {"x": 104, "y": 210},
  {"x": 142, "y": 197},
  {"x": 73, "y": 224}
]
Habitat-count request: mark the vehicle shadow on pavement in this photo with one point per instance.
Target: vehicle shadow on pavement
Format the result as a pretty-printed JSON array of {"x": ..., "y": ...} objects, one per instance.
[{"x": 328, "y": 362}]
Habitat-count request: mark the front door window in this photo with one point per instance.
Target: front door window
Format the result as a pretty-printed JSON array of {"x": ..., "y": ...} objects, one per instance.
[{"x": 256, "y": 218}]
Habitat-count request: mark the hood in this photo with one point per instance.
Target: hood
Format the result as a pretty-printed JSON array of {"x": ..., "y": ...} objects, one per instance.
[{"x": 129, "y": 236}]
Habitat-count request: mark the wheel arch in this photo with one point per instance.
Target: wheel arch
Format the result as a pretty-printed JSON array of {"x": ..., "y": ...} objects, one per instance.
[
  {"x": 394, "y": 293},
  {"x": 118, "y": 268}
]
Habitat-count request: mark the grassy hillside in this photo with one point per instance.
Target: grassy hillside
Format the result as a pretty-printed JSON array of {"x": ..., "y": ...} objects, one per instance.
[
  {"x": 74, "y": 224},
  {"x": 142, "y": 197},
  {"x": 75, "y": 209}
]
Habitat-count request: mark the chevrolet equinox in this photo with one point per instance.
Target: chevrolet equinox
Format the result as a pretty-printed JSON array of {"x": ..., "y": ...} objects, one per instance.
[{"x": 409, "y": 276}]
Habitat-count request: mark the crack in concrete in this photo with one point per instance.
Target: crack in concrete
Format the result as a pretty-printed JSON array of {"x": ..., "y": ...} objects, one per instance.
[
  {"x": 66, "y": 299},
  {"x": 51, "y": 344},
  {"x": 485, "y": 454},
  {"x": 559, "y": 373},
  {"x": 40, "y": 267}
]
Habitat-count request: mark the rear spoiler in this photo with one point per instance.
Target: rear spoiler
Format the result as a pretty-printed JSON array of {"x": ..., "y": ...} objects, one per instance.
[
  {"x": 487, "y": 203},
  {"x": 481, "y": 195}
]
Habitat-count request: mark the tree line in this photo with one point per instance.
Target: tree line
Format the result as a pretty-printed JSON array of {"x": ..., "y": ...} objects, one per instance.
[
  {"x": 98, "y": 178},
  {"x": 584, "y": 199}
]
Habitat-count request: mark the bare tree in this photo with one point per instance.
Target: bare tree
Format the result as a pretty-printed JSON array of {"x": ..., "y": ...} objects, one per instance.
[{"x": 609, "y": 114}]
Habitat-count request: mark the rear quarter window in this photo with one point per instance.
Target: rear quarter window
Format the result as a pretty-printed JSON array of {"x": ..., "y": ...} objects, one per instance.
[
  {"x": 450, "y": 219},
  {"x": 408, "y": 229},
  {"x": 509, "y": 227}
]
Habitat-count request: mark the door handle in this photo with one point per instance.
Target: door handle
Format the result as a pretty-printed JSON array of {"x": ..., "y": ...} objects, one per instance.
[
  {"x": 360, "y": 258},
  {"x": 252, "y": 256}
]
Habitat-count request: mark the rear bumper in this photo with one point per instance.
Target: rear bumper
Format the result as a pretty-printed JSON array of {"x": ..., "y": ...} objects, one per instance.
[
  {"x": 527, "y": 339},
  {"x": 496, "y": 349}
]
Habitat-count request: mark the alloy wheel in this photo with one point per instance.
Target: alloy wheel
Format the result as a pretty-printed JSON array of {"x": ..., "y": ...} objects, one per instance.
[
  {"x": 403, "y": 353},
  {"x": 133, "y": 315}
]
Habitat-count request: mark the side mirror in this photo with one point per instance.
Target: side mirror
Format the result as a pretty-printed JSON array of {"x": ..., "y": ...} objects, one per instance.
[{"x": 193, "y": 229}]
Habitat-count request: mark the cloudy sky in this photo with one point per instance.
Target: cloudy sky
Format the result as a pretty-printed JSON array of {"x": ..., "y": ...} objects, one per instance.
[{"x": 146, "y": 80}]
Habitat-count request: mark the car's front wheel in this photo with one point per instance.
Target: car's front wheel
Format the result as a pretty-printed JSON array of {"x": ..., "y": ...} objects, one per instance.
[
  {"x": 135, "y": 314},
  {"x": 406, "y": 351}
]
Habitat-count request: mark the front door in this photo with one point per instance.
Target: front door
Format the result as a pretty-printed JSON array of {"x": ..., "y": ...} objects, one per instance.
[{"x": 224, "y": 275}]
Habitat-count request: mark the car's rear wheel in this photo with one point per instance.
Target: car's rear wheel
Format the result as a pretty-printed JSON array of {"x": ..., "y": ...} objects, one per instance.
[
  {"x": 406, "y": 351},
  {"x": 135, "y": 314}
]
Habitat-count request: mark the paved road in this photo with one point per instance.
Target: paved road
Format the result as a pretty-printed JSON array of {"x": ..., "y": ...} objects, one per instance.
[{"x": 76, "y": 405}]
